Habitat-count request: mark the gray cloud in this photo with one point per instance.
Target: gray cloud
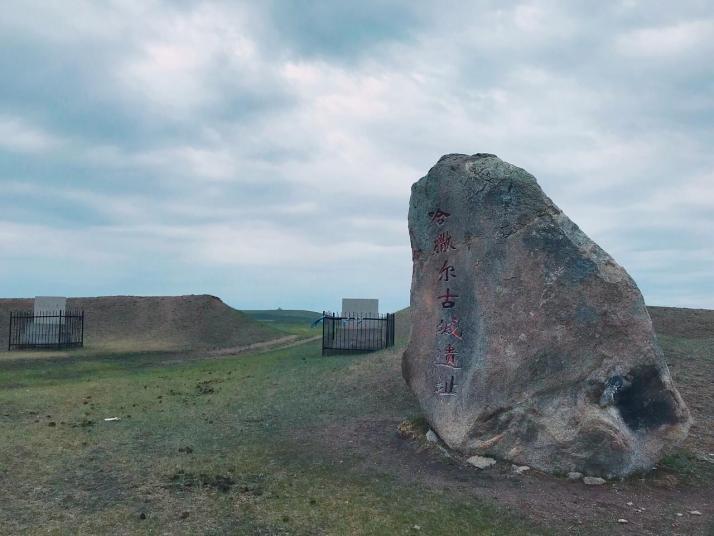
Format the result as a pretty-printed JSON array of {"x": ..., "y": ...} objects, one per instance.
[{"x": 264, "y": 152}]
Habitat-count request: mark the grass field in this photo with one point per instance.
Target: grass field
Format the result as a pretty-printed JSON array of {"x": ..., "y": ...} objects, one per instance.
[
  {"x": 284, "y": 316},
  {"x": 294, "y": 322},
  {"x": 209, "y": 447},
  {"x": 289, "y": 442}
]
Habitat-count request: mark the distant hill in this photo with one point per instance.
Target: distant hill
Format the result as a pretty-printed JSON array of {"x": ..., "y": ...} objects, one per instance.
[
  {"x": 142, "y": 323},
  {"x": 668, "y": 321},
  {"x": 681, "y": 322},
  {"x": 284, "y": 316}
]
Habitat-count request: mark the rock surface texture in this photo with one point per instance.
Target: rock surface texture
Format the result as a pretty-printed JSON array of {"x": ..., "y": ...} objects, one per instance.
[{"x": 529, "y": 342}]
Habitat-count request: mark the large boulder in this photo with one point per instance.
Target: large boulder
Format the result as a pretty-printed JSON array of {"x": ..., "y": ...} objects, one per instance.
[{"x": 529, "y": 342}]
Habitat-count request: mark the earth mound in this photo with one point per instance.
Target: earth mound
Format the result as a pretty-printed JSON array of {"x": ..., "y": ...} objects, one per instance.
[
  {"x": 683, "y": 322},
  {"x": 156, "y": 323}
]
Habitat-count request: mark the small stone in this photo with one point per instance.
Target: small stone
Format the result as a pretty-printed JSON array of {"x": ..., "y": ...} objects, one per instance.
[
  {"x": 593, "y": 481},
  {"x": 417, "y": 527},
  {"x": 695, "y": 512},
  {"x": 622, "y": 521},
  {"x": 444, "y": 451},
  {"x": 481, "y": 462},
  {"x": 574, "y": 475},
  {"x": 679, "y": 514},
  {"x": 520, "y": 469},
  {"x": 629, "y": 503},
  {"x": 431, "y": 437}
]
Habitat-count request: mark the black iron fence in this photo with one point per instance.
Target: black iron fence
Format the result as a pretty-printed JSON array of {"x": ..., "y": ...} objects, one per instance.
[
  {"x": 46, "y": 330},
  {"x": 356, "y": 332}
]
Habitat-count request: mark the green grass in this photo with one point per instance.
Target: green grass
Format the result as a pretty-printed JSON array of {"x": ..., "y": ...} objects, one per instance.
[
  {"x": 293, "y": 322},
  {"x": 246, "y": 445},
  {"x": 688, "y": 466},
  {"x": 304, "y": 331},
  {"x": 284, "y": 316}
]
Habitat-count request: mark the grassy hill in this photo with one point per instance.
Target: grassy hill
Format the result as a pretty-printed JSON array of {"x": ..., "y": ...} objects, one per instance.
[
  {"x": 284, "y": 316},
  {"x": 296, "y": 322}
]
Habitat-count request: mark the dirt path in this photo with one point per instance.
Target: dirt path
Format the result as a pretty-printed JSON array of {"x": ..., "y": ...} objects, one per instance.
[
  {"x": 19, "y": 359},
  {"x": 282, "y": 343}
]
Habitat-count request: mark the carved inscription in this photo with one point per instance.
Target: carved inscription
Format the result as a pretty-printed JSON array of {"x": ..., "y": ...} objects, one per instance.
[
  {"x": 439, "y": 217},
  {"x": 442, "y": 243},
  {"x": 446, "y": 361},
  {"x": 450, "y": 328},
  {"x": 448, "y": 358},
  {"x": 446, "y": 271}
]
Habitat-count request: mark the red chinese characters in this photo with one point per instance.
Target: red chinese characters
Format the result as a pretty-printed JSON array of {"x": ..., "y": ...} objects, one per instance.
[
  {"x": 450, "y": 356},
  {"x": 439, "y": 216},
  {"x": 447, "y": 357},
  {"x": 446, "y": 387},
  {"x": 442, "y": 243},
  {"x": 447, "y": 300},
  {"x": 448, "y": 328},
  {"x": 446, "y": 271}
]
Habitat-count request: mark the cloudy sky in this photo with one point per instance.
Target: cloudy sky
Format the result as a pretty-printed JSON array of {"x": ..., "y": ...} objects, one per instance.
[{"x": 264, "y": 152}]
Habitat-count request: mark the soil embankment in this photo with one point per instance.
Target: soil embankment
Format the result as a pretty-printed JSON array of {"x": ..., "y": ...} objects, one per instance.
[
  {"x": 156, "y": 323},
  {"x": 680, "y": 322}
]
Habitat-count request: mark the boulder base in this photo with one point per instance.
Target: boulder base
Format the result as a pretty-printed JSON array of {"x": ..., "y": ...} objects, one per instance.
[{"x": 529, "y": 342}]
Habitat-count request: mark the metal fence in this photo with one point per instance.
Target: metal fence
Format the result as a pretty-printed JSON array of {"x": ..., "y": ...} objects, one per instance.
[
  {"x": 356, "y": 332},
  {"x": 46, "y": 330}
]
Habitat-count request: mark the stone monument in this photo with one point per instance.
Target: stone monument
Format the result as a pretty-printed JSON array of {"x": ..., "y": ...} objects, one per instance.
[
  {"x": 49, "y": 305},
  {"x": 45, "y": 328},
  {"x": 529, "y": 342},
  {"x": 360, "y": 306}
]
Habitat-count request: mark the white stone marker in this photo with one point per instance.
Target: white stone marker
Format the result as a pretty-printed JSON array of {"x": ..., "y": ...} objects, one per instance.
[
  {"x": 46, "y": 330},
  {"x": 50, "y": 305},
  {"x": 360, "y": 306}
]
